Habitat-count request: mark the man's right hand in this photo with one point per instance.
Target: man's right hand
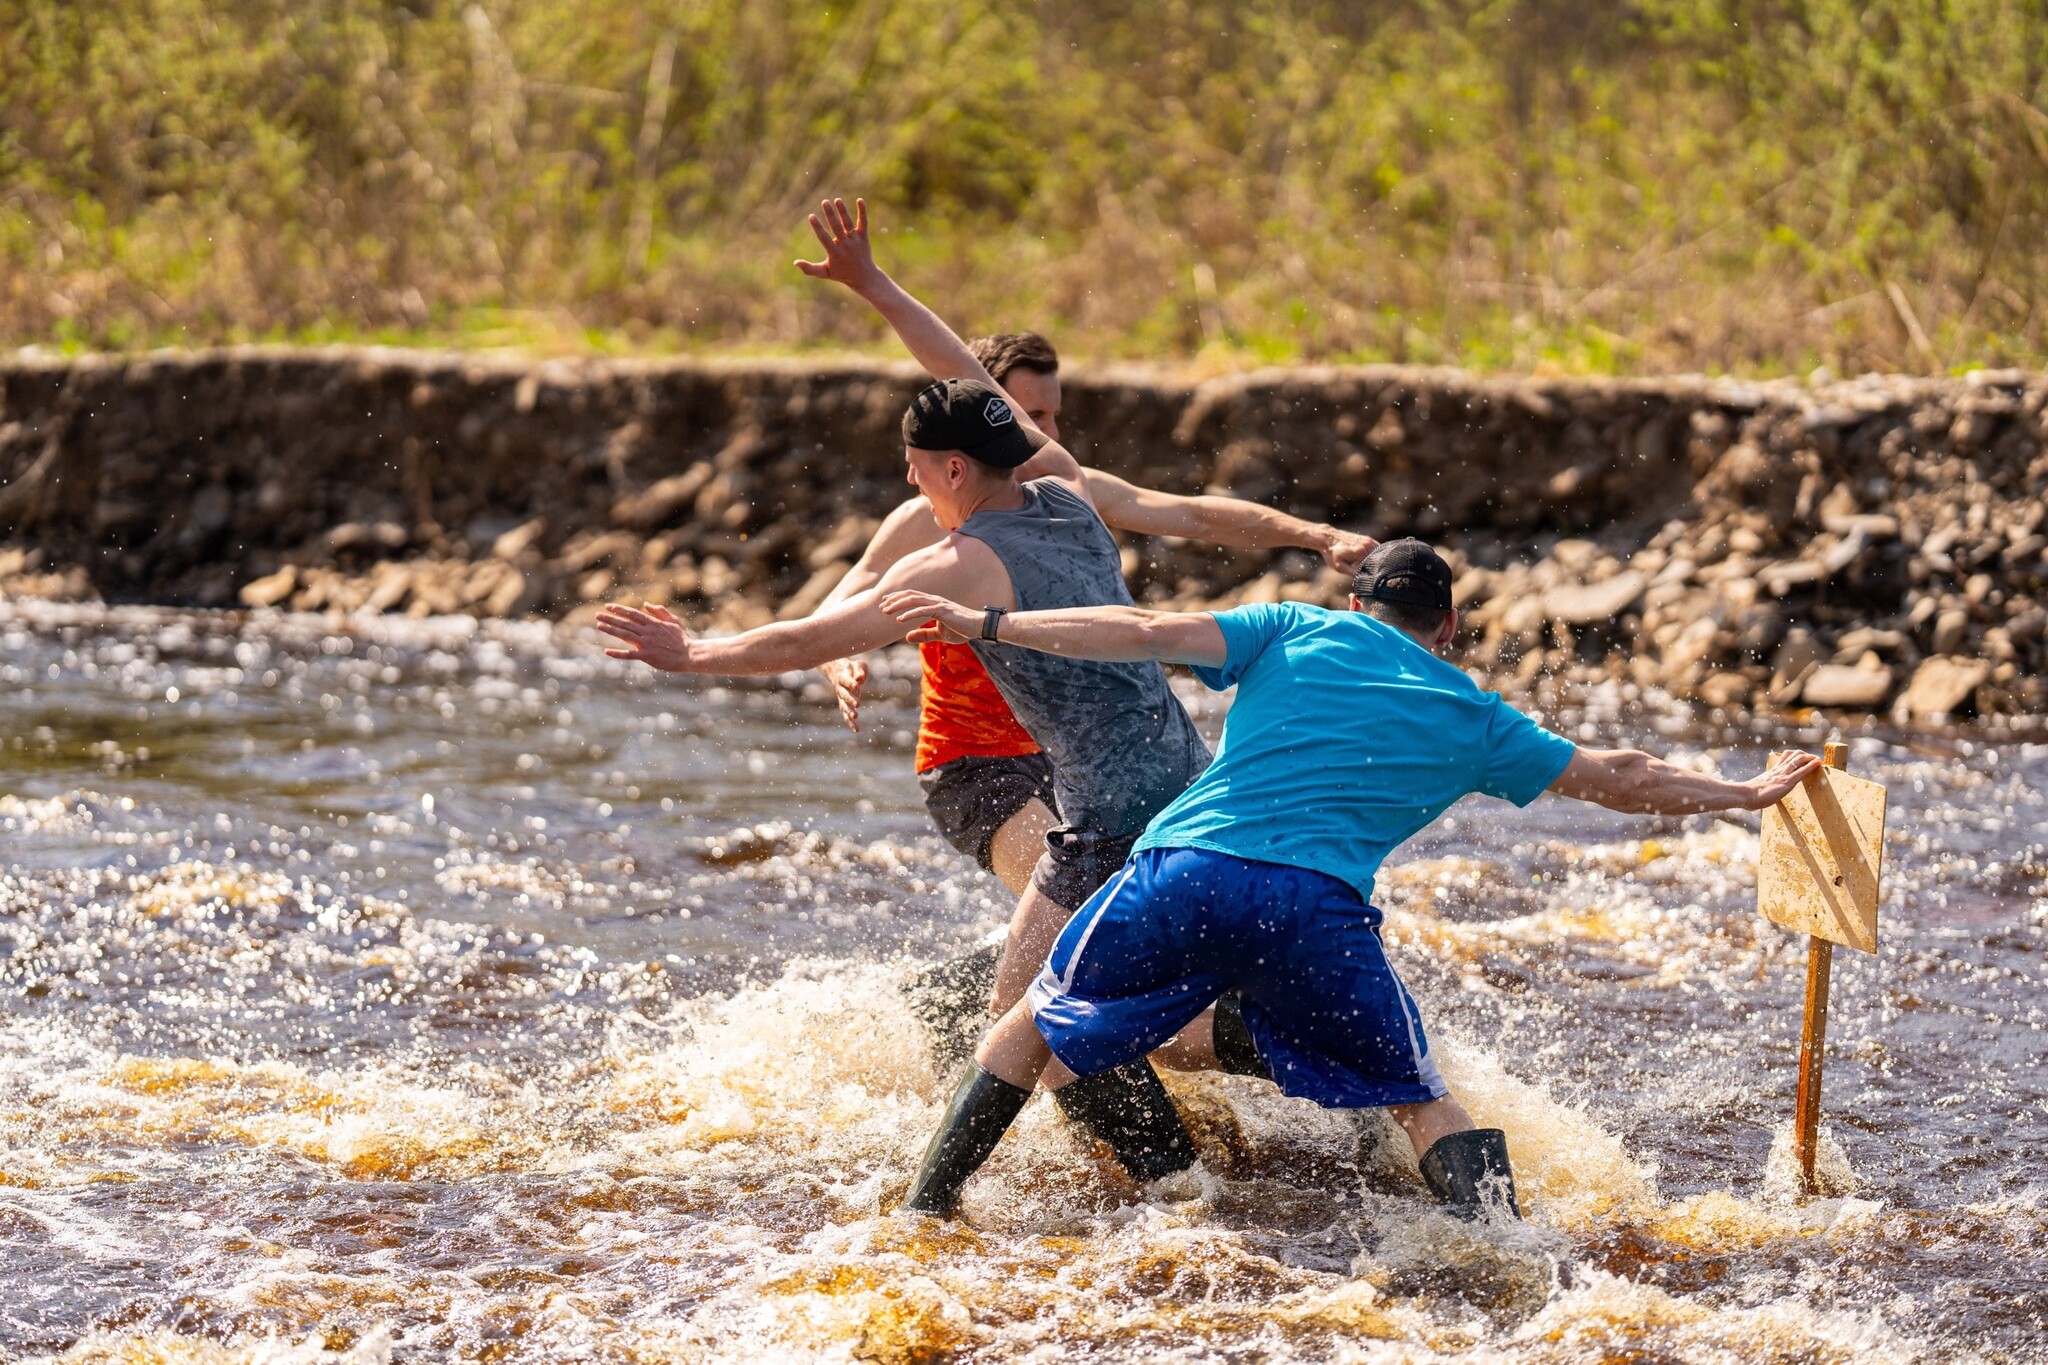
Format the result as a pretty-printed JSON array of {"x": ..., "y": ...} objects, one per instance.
[
  {"x": 1344, "y": 551},
  {"x": 847, "y": 677},
  {"x": 848, "y": 258},
  {"x": 654, "y": 637}
]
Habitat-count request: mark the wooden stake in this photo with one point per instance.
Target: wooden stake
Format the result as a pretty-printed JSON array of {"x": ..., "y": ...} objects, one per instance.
[{"x": 1813, "y": 1033}]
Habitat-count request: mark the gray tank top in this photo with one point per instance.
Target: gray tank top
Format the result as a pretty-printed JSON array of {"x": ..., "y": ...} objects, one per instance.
[{"x": 1120, "y": 742}]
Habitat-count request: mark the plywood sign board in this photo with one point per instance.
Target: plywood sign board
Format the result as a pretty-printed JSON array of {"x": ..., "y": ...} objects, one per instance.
[{"x": 1823, "y": 850}]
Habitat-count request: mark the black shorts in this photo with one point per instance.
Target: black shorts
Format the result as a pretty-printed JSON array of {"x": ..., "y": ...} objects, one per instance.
[
  {"x": 971, "y": 798},
  {"x": 1079, "y": 862}
]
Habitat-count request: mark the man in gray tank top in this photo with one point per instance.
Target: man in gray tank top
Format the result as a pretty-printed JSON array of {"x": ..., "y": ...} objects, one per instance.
[{"x": 963, "y": 444}]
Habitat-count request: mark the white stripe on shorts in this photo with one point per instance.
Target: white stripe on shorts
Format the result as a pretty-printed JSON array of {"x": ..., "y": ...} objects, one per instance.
[
  {"x": 1067, "y": 977},
  {"x": 1425, "y": 1065}
]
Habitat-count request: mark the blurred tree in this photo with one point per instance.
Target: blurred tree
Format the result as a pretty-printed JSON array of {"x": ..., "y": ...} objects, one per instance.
[{"x": 1745, "y": 184}]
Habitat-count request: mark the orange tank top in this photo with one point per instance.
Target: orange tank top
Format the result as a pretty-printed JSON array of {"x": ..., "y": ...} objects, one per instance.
[{"x": 960, "y": 713}]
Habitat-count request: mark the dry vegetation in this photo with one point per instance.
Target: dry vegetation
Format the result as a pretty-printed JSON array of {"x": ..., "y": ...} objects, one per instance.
[{"x": 1749, "y": 185}]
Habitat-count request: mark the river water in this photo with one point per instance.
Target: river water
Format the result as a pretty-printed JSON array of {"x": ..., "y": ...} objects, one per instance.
[{"x": 421, "y": 990}]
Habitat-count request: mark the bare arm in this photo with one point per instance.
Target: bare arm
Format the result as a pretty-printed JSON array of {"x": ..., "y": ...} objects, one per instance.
[
  {"x": 1632, "y": 781},
  {"x": 1110, "y": 634},
  {"x": 1220, "y": 521},
  {"x": 922, "y": 332},
  {"x": 908, "y": 529},
  {"x": 655, "y": 637},
  {"x": 851, "y": 261}
]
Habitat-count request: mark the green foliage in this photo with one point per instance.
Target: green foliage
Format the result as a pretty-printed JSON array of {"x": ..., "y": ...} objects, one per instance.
[{"x": 1743, "y": 185}]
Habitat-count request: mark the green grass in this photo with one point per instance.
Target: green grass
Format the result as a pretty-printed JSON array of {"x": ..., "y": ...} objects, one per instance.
[{"x": 1720, "y": 185}]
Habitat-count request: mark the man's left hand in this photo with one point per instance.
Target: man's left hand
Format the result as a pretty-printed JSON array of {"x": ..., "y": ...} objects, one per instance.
[
  {"x": 934, "y": 619},
  {"x": 655, "y": 636}
]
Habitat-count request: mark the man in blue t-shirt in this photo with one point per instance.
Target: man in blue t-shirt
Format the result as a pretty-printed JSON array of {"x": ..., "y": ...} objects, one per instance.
[{"x": 1347, "y": 736}]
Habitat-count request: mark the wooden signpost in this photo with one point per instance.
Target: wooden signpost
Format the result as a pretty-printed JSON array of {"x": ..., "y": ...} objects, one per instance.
[{"x": 1818, "y": 870}]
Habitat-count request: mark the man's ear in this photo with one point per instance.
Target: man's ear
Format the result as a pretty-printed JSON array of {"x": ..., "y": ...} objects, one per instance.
[
  {"x": 1357, "y": 602},
  {"x": 1448, "y": 631}
]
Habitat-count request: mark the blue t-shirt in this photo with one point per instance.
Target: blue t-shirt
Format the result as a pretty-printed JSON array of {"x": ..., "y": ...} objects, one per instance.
[{"x": 1346, "y": 737}]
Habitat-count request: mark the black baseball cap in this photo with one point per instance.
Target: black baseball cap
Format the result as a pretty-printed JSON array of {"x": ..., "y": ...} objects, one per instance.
[
  {"x": 1404, "y": 571},
  {"x": 968, "y": 416}
]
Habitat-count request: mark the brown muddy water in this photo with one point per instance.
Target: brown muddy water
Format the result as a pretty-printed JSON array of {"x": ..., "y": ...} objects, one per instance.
[{"x": 425, "y": 990}]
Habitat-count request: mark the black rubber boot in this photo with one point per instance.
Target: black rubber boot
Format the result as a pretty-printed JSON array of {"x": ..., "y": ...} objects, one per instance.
[
  {"x": 951, "y": 1001},
  {"x": 1235, "y": 1051},
  {"x": 1129, "y": 1109},
  {"x": 975, "y": 1122},
  {"x": 1465, "y": 1170}
]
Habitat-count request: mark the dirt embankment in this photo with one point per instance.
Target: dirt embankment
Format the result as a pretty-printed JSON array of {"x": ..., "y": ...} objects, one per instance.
[{"x": 1877, "y": 544}]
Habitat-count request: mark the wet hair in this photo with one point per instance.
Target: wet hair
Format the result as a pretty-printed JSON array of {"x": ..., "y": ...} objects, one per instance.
[
  {"x": 1007, "y": 351},
  {"x": 1421, "y": 622}
]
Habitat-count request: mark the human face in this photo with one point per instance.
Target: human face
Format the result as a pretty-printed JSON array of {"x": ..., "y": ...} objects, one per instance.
[
  {"x": 939, "y": 475},
  {"x": 1039, "y": 396}
]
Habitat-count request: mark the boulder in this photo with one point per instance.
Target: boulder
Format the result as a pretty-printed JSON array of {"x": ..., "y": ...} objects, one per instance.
[
  {"x": 1696, "y": 644},
  {"x": 662, "y": 502},
  {"x": 1949, "y": 629},
  {"x": 1725, "y": 689},
  {"x": 1856, "y": 688},
  {"x": 271, "y": 590},
  {"x": 1582, "y": 604},
  {"x": 1943, "y": 684},
  {"x": 1798, "y": 655}
]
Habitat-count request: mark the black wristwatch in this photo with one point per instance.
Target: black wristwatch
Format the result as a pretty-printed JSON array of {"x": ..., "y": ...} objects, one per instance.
[{"x": 991, "y": 617}]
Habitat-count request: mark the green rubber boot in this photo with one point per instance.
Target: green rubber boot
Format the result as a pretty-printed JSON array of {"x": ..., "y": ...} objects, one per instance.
[
  {"x": 1235, "y": 1051},
  {"x": 1130, "y": 1110},
  {"x": 981, "y": 1112},
  {"x": 1469, "y": 1170}
]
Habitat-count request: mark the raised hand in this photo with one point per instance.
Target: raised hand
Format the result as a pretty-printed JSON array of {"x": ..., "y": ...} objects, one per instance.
[
  {"x": 655, "y": 636},
  {"x": 848, "y": 258},
  {"x": 1344, "y": 551},
  {"x": 847, "y": 677},
  {"x": 934, "y": 618},
  {"x": 1776, "y": 782}
]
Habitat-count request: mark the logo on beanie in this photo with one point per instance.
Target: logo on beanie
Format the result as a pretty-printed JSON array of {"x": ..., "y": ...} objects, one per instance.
[{"x": 997, "y": 413}]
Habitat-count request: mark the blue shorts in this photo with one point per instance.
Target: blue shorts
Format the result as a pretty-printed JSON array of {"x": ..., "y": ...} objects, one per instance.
[{"x": 1178, "y": 926}]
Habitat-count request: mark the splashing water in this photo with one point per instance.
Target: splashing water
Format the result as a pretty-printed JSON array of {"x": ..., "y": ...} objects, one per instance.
[{"x": 442, "y": 990}]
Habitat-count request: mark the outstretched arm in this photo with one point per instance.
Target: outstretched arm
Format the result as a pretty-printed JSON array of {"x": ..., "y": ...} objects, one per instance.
[
  {"x": 1109, "y": 634},
  {"x": 655, "y": 637},
  {"x": 1221, "y": 521},
  {"x": 1632, "y": 781},
  {"x": 908, "y": 529},
  {"x": 851, "y": 261}
]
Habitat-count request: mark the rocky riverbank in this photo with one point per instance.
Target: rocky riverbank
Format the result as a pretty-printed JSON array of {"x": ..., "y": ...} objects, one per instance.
[{"x": 1872, "y": 545}]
